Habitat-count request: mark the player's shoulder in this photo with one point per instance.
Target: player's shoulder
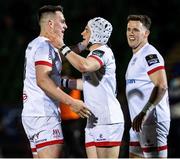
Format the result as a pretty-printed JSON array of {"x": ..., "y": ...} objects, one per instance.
[
  {"x": 40, "y": 42},
  {"x": 102, "y": 51},
  {"x": 151, "y": 55},
  {"x": 149, "y": 50},
  {"x": 43, "y": 41},
  {"x": 98, "y": 52}
]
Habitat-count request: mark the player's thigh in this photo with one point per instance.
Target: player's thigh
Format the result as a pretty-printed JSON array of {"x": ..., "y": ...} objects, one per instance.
[
  {"x": 154, "y": 139},
  {"x": 28, "y": 124},
  {"x": 44, "y": 132},
  {"x": 108, "y": 152},
  {"x": 134, "y": 145},
  {"x": 105, "y": 137},
  {"x": 91, "y": 152},
  {"x": 50, "y": 137},
  {"x": 52, "y": 151}
]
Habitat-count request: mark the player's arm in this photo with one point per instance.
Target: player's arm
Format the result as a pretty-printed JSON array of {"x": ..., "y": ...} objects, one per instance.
[
  {"x": 82, "y": 64},
  {"x": 160, "y": 87},
  {"x": 53, "y": 91},
  {"x": 72, "y": 83}
]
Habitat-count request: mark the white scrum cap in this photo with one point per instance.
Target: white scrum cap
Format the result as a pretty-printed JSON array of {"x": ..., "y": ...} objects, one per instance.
[{"x": 100, "y": 29}]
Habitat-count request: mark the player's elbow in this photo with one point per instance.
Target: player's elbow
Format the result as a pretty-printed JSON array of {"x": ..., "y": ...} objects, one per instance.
[
  {"x": 41, "y": 82},
  {"x": 83, "y": 67},
  {"x": 88, "y": 66},
  {"x": 163, "y": 87}
]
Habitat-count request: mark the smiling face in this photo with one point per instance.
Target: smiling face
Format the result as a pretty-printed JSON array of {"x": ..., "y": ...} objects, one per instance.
[
  {"x": 86, "y": 35},
  {"x": 137, "y": 35}
]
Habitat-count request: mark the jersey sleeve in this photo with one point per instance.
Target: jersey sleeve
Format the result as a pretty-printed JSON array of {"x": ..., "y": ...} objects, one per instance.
[
  {"x": 153, "y": 62},
  {"x": 98, "y": 55},
  {"x": 43, "y": 55}
]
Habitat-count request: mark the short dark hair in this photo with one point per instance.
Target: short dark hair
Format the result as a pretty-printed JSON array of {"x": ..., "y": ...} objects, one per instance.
[
  {"x": 144, "y": 19},
  {"x": 50, "y": 9}
]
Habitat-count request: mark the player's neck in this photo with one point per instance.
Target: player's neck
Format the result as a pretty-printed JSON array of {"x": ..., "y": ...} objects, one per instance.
[
  {"x": 136, "y": 49},
  {"x": 45, "y": 34}
]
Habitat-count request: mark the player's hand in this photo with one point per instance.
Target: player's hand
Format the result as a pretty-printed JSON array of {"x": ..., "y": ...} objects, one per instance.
[
  {"x": 57, "y": 40},
  {"x": 92, "y": 121},
  {"x": 80, "y": 108},
  {"x": 138, "y": 121}
]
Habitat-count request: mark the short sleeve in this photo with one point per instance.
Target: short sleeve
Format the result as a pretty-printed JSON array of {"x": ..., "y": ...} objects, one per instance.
[
  {"x": 43, "y": 55},
  {"x": 98, "y": 55},
  {"x": 153, "y": 62}
]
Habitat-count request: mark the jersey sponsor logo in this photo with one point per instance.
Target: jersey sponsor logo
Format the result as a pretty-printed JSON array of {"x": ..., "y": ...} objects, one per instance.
[
  {"x": 56, "y": 133},
  {"x": 35, "y": 136},
  {"x": 25, "y": 97},
  {"x": 101, "y": 138},
  {"x": 152, "y": 59},
  {"x": 130, "y": 81},
  {"x": 99, "y": 53}
]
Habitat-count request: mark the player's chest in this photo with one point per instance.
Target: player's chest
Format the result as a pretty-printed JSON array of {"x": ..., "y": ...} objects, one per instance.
[{"x": 136, "y": 67}]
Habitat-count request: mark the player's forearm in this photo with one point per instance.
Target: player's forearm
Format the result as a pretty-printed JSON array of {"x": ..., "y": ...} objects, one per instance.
[
  {"x": 79, "y": 62},
  {"x": 157, "y": 94},
  {"x": 53, "y": 91}
]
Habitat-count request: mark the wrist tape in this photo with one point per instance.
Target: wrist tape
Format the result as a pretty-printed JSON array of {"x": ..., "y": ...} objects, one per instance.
[
  {"x": 65, "y": 50},
  {"x": 148, "y": 107},
  {"x": 65, "y": 82}
]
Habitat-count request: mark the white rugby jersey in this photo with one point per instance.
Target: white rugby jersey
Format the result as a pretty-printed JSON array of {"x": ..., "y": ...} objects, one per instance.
[
  {"x": 99, "y": 88},
  {"x": 35, "y": 101},
  {"x": 139, "y": 86}
]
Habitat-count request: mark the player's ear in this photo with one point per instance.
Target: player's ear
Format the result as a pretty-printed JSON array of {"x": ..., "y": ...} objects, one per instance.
[
  {"x": 147, "y": 32},
  {"x": 50, "y": 23}
]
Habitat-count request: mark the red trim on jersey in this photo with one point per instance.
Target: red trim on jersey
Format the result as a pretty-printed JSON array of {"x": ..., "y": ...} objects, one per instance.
[
  {"x": 150, "y": 149},
  {"x": 100, "y": 62},
  {"x": 43, "y": 63},
  {"x": 33, "y": 149},
  {"x": 111, "y": 143},
  {"x": 49, "y": 143},
  {"x": 106, "y": 143},
  {"x": 155, "y": 69},
  {"x": 134, "y": 143},
  {"x": 89, "y": 144}
]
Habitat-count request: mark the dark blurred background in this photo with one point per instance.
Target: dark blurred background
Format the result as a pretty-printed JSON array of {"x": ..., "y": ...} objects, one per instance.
[{"x": 18, "y": 26}]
